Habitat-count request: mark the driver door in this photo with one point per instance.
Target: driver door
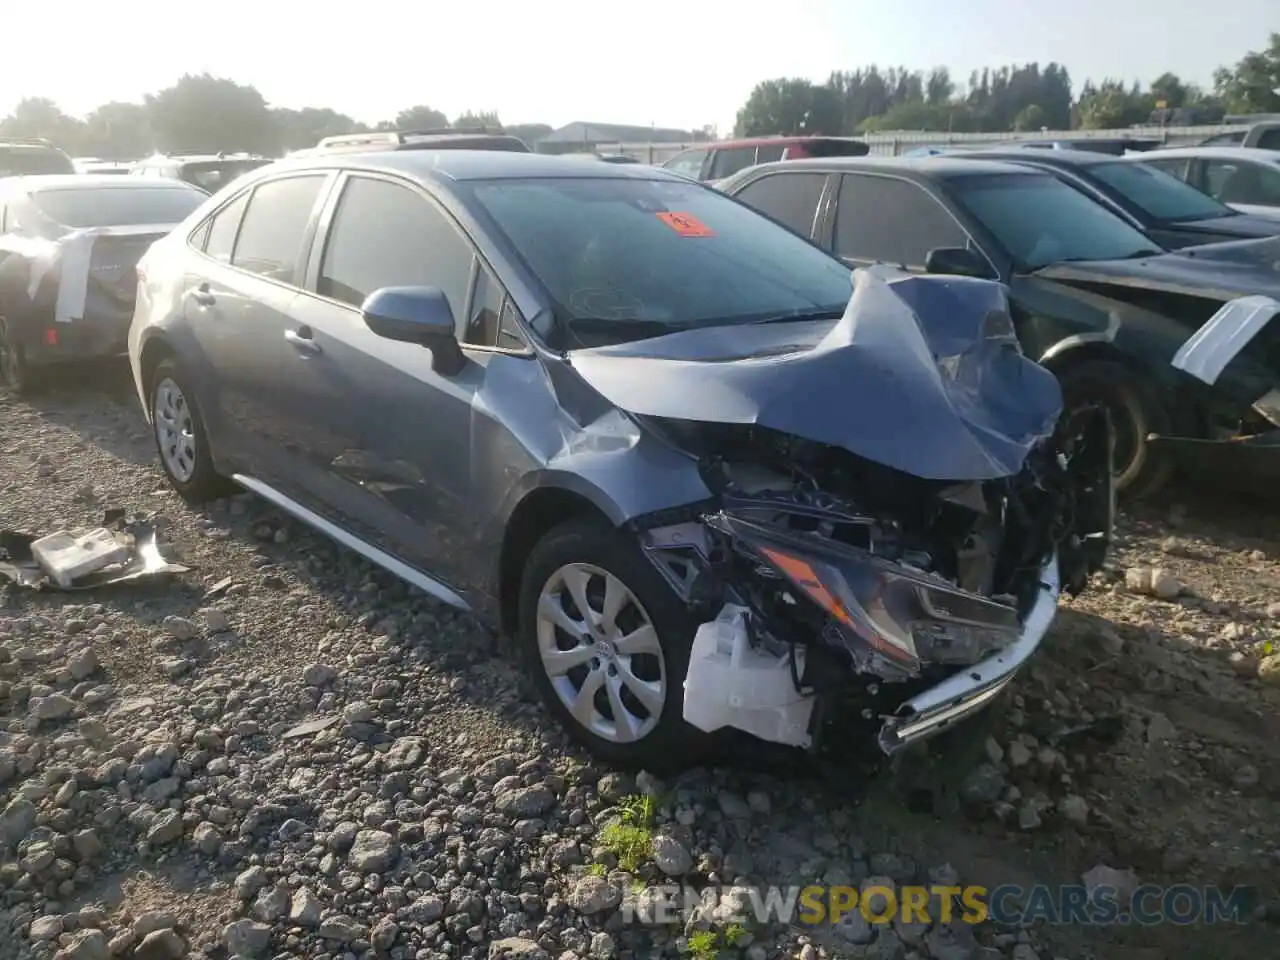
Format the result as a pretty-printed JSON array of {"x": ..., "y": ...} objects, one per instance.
[{"x": 392, "y": 456}]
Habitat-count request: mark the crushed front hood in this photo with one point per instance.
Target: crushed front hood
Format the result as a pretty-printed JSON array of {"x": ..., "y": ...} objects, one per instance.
[
  {"x": 922, "y": 374},
  {"x": 1218, "y": 271}
]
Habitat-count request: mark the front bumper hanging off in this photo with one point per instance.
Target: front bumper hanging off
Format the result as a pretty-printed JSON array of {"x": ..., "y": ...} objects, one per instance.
[{"x": 969, "y": 690}]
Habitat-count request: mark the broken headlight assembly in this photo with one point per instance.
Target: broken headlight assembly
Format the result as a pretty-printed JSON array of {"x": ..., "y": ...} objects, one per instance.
[{"x": 890, "y": 617}]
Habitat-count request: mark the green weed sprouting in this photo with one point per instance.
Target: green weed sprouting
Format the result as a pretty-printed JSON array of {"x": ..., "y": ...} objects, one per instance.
[
  {"x": 702, "y": 945},
  {"x": 630, "y": 837}
]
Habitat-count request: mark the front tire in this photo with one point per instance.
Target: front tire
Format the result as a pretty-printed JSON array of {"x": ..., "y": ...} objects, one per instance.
[
  {"x": 182, "y": 442},
  {"x": 1139, "y": 470},
  {"x": 613, "y": 673}
]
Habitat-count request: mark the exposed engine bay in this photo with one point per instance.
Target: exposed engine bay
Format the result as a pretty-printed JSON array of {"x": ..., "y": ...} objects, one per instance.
[{"x": 819, "y": 567}]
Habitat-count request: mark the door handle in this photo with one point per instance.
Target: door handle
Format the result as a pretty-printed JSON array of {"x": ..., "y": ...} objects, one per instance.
[
  {"x": 302, "y": 339},
  {"x": 202, "y": 296}
]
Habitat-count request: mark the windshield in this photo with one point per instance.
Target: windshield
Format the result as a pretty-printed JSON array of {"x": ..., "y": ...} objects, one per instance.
[
  {"x": 1040, "y": 220},
  {"x": 117, "y": 206},
  {"x": 1156, "y": 193},
  {"x": 629, "y": 258},
  {"x": 20, "y": 161}
]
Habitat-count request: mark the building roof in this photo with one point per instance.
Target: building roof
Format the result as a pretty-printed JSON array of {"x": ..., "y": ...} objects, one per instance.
[{"x": 585, "y": 132}]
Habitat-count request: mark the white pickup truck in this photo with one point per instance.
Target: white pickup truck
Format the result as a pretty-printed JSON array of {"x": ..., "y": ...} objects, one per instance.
[{"x": 1264, "y": 135}]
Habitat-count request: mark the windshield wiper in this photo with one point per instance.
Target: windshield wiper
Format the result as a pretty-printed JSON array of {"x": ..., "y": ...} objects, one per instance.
[
  {"x": 602, "y": 331},
  {"x": 805, "y": 316}
]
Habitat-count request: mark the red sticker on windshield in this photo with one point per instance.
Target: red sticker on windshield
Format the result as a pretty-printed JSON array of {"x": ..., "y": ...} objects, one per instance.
[{"x": 686, "y": 224}]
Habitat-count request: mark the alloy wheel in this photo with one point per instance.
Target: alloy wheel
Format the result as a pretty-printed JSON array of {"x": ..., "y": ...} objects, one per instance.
[
  {"x": 175, "y": 430},
  {"x": 601, "y": 653}
]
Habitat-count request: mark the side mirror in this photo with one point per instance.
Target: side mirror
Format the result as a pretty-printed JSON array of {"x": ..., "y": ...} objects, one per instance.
[
  {"x": 958, "y": 261},
  {"x": 418, "y": 315}
]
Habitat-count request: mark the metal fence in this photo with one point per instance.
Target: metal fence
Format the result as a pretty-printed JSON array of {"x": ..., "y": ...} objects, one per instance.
[{"x": 893, "y": 143}]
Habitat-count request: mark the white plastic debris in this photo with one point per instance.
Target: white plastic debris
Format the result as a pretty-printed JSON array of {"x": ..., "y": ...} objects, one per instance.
[
  {"x": 68, "y": 556},
  {"x": 732, "y": 684}
]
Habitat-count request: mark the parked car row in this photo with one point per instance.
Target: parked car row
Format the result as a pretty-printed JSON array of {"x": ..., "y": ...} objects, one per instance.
[
  {"x": 1107, "y": 289},
  {"x": 24, "y": 157},
  {"x": 705, "y": 476}
]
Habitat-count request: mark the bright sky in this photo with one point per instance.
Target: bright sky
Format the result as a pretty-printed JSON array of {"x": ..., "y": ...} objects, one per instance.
[{"x": 555, "y": 61}]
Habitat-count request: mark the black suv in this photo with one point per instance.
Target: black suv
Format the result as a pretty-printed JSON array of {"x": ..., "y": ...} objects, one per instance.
[
  {"x": 446, "y": 138},
  {"x": 23, "y": 157}
]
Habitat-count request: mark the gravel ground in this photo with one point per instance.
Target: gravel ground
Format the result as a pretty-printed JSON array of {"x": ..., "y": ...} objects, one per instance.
[{"x": 286, "y": 753}]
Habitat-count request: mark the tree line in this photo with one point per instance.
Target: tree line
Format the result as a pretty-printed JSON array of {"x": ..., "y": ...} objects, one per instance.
[
  {"x": 201, "y": 113},
  {"x": 1022, "y": 97}
]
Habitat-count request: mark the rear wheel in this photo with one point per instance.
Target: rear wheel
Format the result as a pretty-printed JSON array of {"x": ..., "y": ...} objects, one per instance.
[
  {"x": 607, "y": 643},
  {"x": 180, "y": 437},
  {"x": 1139, "y": 469},
  {"x": 16, "y": 376}
]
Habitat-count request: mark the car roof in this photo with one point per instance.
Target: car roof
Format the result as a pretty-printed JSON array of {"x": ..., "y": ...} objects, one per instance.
[
  {"x": 1223, "y": 153},
  {"x": 72, "y": 181},
  {"x": 1057, "y": 158},
  {"x": 181, "y": 158},
  {"x": 461, "y": 165},
  {"x": 29, "y": 143},
  {"x": 926, "y": 167},
  {"x": 765, "y": 141}
]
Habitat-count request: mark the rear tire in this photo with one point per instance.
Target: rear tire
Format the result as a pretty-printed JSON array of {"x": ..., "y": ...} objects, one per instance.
[
  {"x": 623, "y": 668},
  {"x": 1139, "y": 470},
  {"x": 17, "y": 377},
  {"x": 182, "y": 443}
]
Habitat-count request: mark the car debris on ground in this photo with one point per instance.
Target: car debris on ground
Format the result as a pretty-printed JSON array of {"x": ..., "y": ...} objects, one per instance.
[{"x": 87, "y": 558}]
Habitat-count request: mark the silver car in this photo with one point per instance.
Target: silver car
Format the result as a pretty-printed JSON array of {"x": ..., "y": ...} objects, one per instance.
[{"x": 705, "y": 477}]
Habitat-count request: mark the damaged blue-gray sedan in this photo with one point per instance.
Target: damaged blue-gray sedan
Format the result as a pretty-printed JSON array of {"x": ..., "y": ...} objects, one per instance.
[{"x": 703, "y": 475}]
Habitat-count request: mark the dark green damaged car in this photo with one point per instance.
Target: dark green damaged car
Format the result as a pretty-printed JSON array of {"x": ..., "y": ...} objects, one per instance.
[{"x": 1180, "y": 347}]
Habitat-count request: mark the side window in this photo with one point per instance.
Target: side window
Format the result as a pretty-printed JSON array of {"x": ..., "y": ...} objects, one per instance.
[
  {"x": 1216, "y": 175},
  {"x": 1175, "y": 168},
  {"x": 728, "y": 162},
  {"x": 770, "y": 153},
  {"x": 220, "y": 231},
  {"x": 272, "y": 229},
  {"x": 486, "y": 311},
  {"x": 688, "y": 164},
  {"x": 790, "y": 198},
  {"x": 509, "y": 335},
  {"x": 1268, "y": 184},
  {"x": 1225, "y": 139},
  {"x": 880, "y": 218},
  {"x": 1250, "y": 183},
  {"x": 1270, "y": 139},
  {"x": 386, "y": 235}
]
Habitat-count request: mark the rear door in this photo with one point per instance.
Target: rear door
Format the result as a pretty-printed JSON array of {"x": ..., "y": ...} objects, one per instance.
[
  {"x": 392, "y": 456},
  {"x": 240, "y": 308}
]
